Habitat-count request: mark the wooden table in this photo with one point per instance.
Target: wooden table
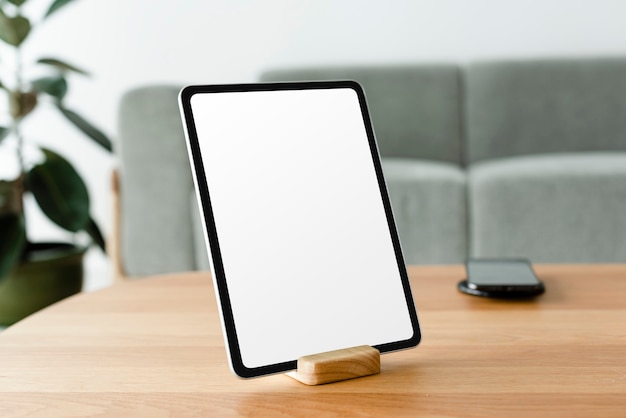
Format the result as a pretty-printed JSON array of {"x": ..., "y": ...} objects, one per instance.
[{"x": 154, "y": 348}]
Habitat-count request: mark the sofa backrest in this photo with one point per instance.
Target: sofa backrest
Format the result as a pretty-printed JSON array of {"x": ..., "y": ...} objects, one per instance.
[
  {"x": 431, "y": 112},
  {"x": 544, "y": 106},
  {"x": 415, "y": 110}
]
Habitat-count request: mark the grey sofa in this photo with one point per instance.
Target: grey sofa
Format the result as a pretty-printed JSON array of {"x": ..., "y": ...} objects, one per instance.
[{"x": 493, "y": 159}]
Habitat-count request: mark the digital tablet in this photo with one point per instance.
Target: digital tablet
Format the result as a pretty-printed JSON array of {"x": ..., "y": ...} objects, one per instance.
[{"x": 304, "y": 252}]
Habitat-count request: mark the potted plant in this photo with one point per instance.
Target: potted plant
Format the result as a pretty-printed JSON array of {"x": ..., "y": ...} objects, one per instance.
[{"x": 34, "y": 275}]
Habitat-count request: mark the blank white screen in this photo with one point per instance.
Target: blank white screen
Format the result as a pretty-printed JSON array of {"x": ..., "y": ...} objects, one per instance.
[{"x": 305, "y": 244}]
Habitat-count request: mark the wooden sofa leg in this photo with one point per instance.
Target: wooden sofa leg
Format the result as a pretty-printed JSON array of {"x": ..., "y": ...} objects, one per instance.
[{"x": 114, "y": 243}]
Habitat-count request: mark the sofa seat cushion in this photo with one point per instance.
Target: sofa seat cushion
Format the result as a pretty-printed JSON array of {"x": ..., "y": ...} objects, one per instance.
[
  {"x": 561, "y": 208},
  {"x": 428, "y": 200}
]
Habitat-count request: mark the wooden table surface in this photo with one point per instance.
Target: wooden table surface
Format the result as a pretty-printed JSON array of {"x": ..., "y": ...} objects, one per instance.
[{"x": 153, "y": 347}]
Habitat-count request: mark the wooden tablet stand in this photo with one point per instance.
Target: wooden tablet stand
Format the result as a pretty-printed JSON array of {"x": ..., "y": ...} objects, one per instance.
[{"x": 333, "y": 366}]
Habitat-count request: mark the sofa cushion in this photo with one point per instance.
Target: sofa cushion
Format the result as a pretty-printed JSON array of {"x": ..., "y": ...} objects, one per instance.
[
  {"x": 545, "y": 106},
  {"x": 415, "y": 110},
  {"x": 551, "y": 208},
  {"x": 428, "y": 200},
  {"x": 155, "y": 183}
]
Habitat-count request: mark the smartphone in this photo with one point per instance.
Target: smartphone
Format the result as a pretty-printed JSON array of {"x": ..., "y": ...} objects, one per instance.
[{"x": 501, "y": 278}]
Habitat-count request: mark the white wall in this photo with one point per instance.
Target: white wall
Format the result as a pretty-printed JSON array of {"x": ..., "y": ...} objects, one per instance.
[{"x": 126, "y": 43}]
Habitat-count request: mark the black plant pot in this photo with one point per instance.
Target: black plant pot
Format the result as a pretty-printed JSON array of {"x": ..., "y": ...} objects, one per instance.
[{"x": 49, "y": 273}]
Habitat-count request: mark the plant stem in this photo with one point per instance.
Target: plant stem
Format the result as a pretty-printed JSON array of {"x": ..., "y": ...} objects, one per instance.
[
  {"x": 16, "y": 119},
  {"x": 20, "y": 146},
  {"x": 18, "y": 135}
]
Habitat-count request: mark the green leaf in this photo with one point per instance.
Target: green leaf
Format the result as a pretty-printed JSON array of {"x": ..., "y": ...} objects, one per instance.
[
  {"x": 4, "y": 132},
  {"x": 95, "y": 234},
  {"x": 87, "y": 128},
  {"x": 21, "y": 103},
  {"x": 55, "y": 86},
  {"x": 12, "y": 241},
  {"x": 60, "y": 192},
  {"x": 56, "y": 5},
  {"x": 17, "y": 2},
  {"x": 13, "y": 30},
  {"x": 62, "y": 65}
]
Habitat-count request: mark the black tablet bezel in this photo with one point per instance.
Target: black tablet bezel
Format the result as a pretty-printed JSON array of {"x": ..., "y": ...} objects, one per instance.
[{"x": 218, "y": 269}]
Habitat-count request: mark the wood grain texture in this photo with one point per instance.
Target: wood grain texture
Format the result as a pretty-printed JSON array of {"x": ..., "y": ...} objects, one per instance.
[
  {"x": 337, "y": 365},
  {"x": 154, "y": 348}
]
